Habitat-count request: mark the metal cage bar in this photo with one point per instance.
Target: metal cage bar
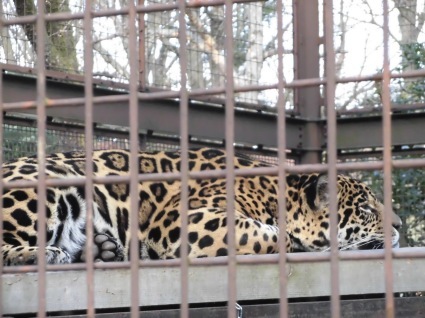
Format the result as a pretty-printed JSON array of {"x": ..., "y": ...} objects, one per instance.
[
  {"x": 386, "y": 130},
  {"x": 134, "y": 162},
  {"x": 1, "y": 188},
  {"x": 282, "y": 168},
  {"x": 184, "y": 144},
  {"x": 332, "y": 156},
  {"x": 135, "y": 15},
  {"x": 230, "y": 154},
  {"x": 41, "y": 156},
  {"x": 88, "y": 130}
]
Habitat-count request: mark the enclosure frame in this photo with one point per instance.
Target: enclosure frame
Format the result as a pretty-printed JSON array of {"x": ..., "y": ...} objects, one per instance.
[{"x": 305, "y": 137}]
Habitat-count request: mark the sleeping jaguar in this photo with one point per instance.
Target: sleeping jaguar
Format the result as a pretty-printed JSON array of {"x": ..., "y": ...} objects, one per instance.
[{"x": 360, "y": 214}]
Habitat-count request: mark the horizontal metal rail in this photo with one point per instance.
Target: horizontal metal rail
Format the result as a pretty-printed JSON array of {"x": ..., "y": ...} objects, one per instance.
[
  {"x": 208, "y": 174},
  {"x": 310, "y": 257}
]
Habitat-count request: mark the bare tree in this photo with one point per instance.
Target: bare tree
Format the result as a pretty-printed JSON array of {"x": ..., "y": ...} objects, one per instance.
[
  {"x": 195, "y": 68},
  {"x": 205, "y": 42},
  {"x": 210, "y": 31},
  {"x": 404, "y": 37},
  {"x": 13, "y": 39},
  {"x": 6, "y": 42},
  {"x": 411, "y": 19},
  {"x": 161, "y": 53},
  {"x": 253, "y": 60},
  {"x": 60, "y": 42}
]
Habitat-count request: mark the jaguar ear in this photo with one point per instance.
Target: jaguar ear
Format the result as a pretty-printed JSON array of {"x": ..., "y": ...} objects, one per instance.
[
  {"x": 317, "y": 193},
  {"x": 322, "y": 189}
]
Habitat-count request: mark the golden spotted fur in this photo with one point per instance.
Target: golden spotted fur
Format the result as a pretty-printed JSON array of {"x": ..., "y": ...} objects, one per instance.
[{"x": 360, "y": 213}]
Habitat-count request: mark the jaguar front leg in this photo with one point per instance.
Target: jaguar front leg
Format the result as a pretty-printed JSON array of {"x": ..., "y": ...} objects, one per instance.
[{"x": 28, "y": 255}]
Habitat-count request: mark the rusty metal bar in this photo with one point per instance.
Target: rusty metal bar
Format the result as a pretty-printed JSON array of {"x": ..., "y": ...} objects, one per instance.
[
  {"x": 1, "y": 187},
  {"x": 41, "y": 156},
  {"x": 332, "y": 155},
  {"x": 157, "y": 7},
  {"x": 379, "y": 76},
  {"x": 230, "y": 175},
  {"x": 281, "y": 141},
  {"x": 134, "y": 161},
  {"x": 142, "y": 51},
  {"x": 184, "y": 145},
  {"x": 156, "y": 93},
  {"x": 386, "y": 118},
  {"x": 168, "y": 176},
  {"x": 310, "y": 257},
  {"x": 162, "y": 94},
  {"x": 308, "y": 82},
  {"x": 88, "y": 130}
]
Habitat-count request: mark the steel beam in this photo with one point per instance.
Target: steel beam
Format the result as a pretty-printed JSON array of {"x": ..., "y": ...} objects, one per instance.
[
  {"x": 365, "y": 132},
  {"x": 205, "y": 121}
]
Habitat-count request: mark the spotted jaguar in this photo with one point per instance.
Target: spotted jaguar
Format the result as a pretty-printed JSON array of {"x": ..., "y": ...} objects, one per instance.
[{"x": 360, "y": 214}]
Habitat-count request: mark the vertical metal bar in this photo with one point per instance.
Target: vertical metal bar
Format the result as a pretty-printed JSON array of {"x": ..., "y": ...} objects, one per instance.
[
  {"x": 307, "y": 65},
  {"x": 281, "y": 139},
  {"x": 41, "y": 156},
  {"x": 88, "y": 130},
  {"x": 142, "y": 51},
  {"x": 184, "y": 145},
  {"x": 1, "y": 183},
  {"x": 386, "y": 120},
  {"x": 296, "y": 49},
  {"x": 134, "y": 166},
  {"x": 332, "y": 155},
  {"x": 230, "y": 175}
]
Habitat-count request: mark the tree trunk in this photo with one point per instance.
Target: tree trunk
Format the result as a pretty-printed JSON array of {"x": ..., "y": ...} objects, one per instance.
[
  {"x": 254, "y": 54},
  {"x": 159, "y": 30},
  {"x": 27, "y": 7},
  {"x": 195, "y": 67},
  {"x": 214, "y": 44},
  {"x": 411, "y": 23},
  {"x": 60, "y": 42},
  {"x": 5, "y": 41},
  {"x": 61, "y": 50}
]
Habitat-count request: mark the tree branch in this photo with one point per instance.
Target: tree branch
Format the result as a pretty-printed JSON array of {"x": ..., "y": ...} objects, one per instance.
[{"x": 209, "y": 43}]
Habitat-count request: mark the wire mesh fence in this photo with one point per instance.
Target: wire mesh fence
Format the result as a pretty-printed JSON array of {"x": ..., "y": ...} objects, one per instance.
[
  {"x": 21, "y": 141},
  {"x": 212, "y": 65},
  {"x": 159, "y": 45}
]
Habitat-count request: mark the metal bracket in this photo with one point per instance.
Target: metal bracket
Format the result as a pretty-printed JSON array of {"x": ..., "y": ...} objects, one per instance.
[{"x": 238, "y": 310}]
